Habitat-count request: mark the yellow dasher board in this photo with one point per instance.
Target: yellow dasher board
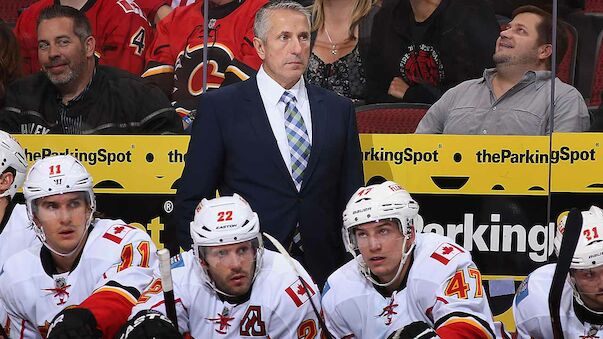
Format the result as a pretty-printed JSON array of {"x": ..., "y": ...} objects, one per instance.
[
  {"x": 118, "y": 164},
  {"x": 499, "y": 165},
  {"x": 486, "y": 164}
]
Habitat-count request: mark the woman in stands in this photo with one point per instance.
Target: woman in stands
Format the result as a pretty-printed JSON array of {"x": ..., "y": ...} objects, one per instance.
[
  {"x": 341, "y": 38},
  {"x": 10, "y": 62},
  {"x": 421, "y": 48}
]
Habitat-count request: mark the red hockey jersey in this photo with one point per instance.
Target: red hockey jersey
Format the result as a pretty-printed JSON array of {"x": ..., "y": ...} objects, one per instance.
[
  {"x": 121, "y": 30},
  {"x": 175, "y": 60}
]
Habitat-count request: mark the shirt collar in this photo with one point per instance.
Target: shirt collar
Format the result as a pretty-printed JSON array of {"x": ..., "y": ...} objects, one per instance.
[
  {"x": 79, "y": 96},
  {"x": 528, "y": 77},
  {"x": 274, "y": 91}
]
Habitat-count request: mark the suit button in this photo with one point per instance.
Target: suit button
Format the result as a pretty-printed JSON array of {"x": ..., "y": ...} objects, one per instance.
[{"x": 300, "y": 200}]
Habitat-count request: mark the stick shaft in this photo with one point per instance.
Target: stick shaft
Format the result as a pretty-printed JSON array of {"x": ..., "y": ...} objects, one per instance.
[{"x": 167, "y": 285}]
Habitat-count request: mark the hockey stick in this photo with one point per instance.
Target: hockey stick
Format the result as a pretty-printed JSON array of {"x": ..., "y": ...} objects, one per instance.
[
  {"x": 571, "y": 233},
  {"x": 167, "y": 285},
  {"x": 284, "y": 252}
]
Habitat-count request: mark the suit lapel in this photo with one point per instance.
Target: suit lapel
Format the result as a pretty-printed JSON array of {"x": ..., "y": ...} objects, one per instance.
[
  {"x": 319, "y": 124},
  {"x": 263, "y": 130}
]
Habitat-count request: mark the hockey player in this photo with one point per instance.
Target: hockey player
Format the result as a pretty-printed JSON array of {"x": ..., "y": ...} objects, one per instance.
[
  {"x": 15, "y": 234},
  {"x": 14, "y": 231},
  {"x": 228, "y": 285},
  {"x": 419, "y": 283},
  {"x": 120, "y": 28},
  {"x": 581, "y": 309},
  {"x": 86, "y": 273},
  {"x": 175, "y": 60}
]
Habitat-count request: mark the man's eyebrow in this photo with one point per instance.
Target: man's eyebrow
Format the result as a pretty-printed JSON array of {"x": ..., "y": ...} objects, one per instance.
[
  {"x": 55, "y": 38},
  {"x": 519, "y": 25}
]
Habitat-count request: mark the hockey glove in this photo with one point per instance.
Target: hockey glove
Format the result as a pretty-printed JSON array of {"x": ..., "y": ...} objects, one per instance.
[
  {"x": 416, "y": 330},
  {"x": 74, "y": 323},
  {"x": 148, "y": 324}
]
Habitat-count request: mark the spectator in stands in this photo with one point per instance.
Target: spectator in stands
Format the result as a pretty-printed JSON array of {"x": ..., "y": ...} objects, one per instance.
[
  {"x": 341, "y": 38},
  {"x": 154, "y": 10},
  {"x": 514, "y": 97},
  {"x": 120, "y": 29},
  {"x": 421, "y": 48},
  {"x": 73, "y": 95},
  {"x": 175, "y": 59},
  {"x": 506, "y": 7},
  {"x": 10, "y": 67}
]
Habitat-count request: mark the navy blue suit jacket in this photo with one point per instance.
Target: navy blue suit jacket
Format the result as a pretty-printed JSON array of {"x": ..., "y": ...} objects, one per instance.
[{"x": 233, "y": 149}]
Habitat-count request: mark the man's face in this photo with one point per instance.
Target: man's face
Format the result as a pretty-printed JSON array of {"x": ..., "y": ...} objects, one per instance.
[
  {"x": 589, "y": 283},
  {"x": 63, "y": 217},
  {"x": 518, "y": 43},
  {"x": 62, "y": 54},
  {"x": 286, "y": 50},
  {"x": 380, "y": 244},
  {"x": 231, "y": 267}
]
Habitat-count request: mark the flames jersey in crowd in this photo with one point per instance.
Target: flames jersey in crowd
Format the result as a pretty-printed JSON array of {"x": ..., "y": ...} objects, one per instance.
[
  {"x": 116, "y": 265},
  {"x": 531, "y": 311},
  {"x": 443, "y": 288},
  {"x": 175, "y": 61},
  {"x": 150, "y": 7},
  {"x": 121, "y": 30},
  {"x": 277, "y": 307},
  {"x": 15, "y": 235}
]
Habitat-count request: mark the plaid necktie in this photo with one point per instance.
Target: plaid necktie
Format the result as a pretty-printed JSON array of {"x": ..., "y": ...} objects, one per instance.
[{"x": 297, "y": 137}]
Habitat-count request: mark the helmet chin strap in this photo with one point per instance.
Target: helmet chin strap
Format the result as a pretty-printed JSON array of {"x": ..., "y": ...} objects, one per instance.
[
  {"x": 367, "y": 271},
  {"x": 578, "y": 297},
  {"x": 212, "y": 284},
  {"x": 42, "y": 236}
]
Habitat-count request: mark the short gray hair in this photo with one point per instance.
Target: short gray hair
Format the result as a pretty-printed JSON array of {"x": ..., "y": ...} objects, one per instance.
[
  {"x": 81, "y": 26},
  {"x": 260, "y": 24}
]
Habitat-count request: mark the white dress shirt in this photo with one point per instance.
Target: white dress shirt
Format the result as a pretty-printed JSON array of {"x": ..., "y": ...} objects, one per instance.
[{"x": 271, "y": 93}]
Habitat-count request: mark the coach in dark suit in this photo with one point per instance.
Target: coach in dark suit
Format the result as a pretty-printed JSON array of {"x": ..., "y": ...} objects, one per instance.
[{"x": 289, "y": 148}]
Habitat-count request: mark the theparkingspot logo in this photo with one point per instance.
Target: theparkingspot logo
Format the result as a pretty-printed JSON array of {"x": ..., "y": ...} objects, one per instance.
[
  {"x": 407, "y": 154},
  {"x": 100, "y": 156},
  {"x": 496, "y": 236},
  {"x": 529, "y": 156}
]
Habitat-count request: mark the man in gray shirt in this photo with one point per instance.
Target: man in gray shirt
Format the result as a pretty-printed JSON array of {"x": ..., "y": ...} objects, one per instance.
[{"x": 514, "y": 97}]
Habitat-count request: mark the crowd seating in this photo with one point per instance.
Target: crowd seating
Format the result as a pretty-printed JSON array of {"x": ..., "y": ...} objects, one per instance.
[
  {"x": 390, "y": 118},
  {"x": 593, "y": 6},
  {"x": 567, "y": 65},
  {"x": 597, "y": 86}
]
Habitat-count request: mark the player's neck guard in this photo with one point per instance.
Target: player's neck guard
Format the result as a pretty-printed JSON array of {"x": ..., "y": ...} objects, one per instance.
[{"x": 586, "y": 315}]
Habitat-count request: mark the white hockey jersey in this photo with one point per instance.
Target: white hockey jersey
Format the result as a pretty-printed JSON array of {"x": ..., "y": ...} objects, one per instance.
[
  {"x": 117, "y": 261},
  {"x": 277, "y": 307},
  {"x": 531, "y": 311},
  {"x": 443, "y": 286},
  {"x": 15, "y": 236}
]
